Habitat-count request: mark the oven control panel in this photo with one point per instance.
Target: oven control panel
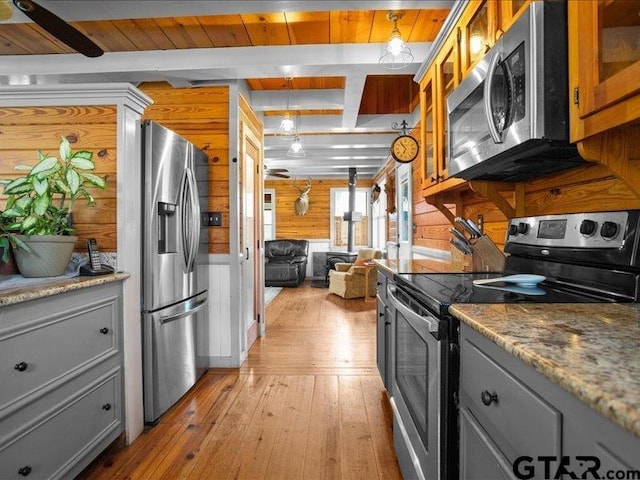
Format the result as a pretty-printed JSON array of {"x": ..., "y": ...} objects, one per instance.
[{"x": 576, "y": 230}]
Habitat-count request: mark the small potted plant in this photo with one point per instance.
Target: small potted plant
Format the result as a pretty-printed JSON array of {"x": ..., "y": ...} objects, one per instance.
[{"x": 39, "y": 205}]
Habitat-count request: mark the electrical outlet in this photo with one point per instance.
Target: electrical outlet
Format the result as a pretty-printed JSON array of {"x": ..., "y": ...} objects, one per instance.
[{"x": 480, "y": 222}]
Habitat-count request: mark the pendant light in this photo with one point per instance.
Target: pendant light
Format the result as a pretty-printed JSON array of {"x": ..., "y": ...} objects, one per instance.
[
  {"x": 287, "y": 129},
  {"x": 296, "y": 150},
  {"x": 396, "y": 54}
]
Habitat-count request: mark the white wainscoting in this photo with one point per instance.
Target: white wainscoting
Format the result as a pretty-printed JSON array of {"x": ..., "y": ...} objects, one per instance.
[
  {"x": 322, "y": 245},
  {"x": 219, "y": 334}
]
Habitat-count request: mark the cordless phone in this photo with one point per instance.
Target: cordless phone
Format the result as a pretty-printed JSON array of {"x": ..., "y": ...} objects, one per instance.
[
  {"x": 94, "y": 254},
  {"x": 94, "y": 267}
]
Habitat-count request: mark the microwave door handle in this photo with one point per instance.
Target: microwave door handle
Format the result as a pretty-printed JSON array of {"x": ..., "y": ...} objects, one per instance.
[{"x": 488, "y": 86}]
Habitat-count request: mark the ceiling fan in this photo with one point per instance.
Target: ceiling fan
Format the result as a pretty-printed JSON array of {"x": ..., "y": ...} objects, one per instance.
[
  {"x": 276, "y": 172},
  {"x": 54, "y": 25}
]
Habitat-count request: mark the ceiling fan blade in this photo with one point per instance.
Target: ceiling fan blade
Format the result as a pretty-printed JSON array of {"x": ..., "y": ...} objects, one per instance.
[
  {"x": 279, "y": 175},
  {"x": 59, "y": 28}
]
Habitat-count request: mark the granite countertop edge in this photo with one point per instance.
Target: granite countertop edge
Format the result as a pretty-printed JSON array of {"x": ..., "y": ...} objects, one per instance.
[
  {"x": 12, "y": 296},
  {"x": 622, "y": 413}
]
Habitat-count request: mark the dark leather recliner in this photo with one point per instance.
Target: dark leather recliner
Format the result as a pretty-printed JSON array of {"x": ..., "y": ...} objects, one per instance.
[{"x": 285, "y": 262}]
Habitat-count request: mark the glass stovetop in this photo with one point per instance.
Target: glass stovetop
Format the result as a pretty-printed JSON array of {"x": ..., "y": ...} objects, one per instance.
[{"x": 441, "y": 290}]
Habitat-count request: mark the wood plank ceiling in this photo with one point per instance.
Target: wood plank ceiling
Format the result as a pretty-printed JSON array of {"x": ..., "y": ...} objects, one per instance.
[{"x": 381, "y": 94}]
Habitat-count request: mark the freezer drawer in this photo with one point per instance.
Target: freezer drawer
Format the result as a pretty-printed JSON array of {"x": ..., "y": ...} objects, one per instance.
[{"x": 171, "y": 365}]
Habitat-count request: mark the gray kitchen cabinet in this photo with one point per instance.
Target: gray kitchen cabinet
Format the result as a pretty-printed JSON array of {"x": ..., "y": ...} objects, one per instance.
[
  {"x": 61, "y": 401},
  {"x": 383, "y": 331},
  {"x": 516, "y": 422}
]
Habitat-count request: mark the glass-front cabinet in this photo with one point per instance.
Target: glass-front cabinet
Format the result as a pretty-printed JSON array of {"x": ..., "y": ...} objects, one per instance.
[
  {"x": 448, "y": 77},
  {"x": 509, "y": 12},
  {"x": 605, "y": 64},
  {"x": 429, "y": 165},
  {"x": 477, "y": 25}
]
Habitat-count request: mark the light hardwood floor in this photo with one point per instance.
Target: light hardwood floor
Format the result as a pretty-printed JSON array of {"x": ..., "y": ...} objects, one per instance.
[{"x": 307, "y": 404}]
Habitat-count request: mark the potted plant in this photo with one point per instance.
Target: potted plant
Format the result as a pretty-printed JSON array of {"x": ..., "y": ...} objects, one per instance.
[{"x": 39, "y": 205}]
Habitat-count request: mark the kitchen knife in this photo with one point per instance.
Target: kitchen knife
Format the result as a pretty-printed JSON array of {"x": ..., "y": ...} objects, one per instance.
[
  {"x": 463, "y": 247},
  {"x": 459, "y": 235},
  {"x": 464, "y": 224},
  {"x": 475, "y": 227}
]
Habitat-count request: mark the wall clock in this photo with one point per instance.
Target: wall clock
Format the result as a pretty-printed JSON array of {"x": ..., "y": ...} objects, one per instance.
[{"x": 404, "y": 149}]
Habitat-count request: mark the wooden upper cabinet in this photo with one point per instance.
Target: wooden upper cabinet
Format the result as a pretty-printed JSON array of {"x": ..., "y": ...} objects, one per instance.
[
  {"x": 428, "y": 165},
  {"x": 447, "y": 79},
  {"x": 604, "y": 64},
  {"x": 477, "y": 26},
  {"x": 508, "y": 12}
]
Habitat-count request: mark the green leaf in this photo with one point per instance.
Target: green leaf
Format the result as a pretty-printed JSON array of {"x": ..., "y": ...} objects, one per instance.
[
  {"x": 95, "y": 180},
  {"x": 62, "y": 186},
  {"x": 23, "y": 202},
  {"x": 41, "y": 155},
  {"x": 82, "y": 164},
  {"x": 12, "y": 213},
  {"x": 65, "y": 149},
  {"x": 14, "y": 183},
  {"x": 73, "y": 179},
  {"x": 46, "y": 164},
  {"x": 29, "y": 222},
  {"x": 40, "y": 186},
  {"x": 40, "y": 204},
  {"x": 23, "y": 167},
  {"x": 20, "y": 244}
]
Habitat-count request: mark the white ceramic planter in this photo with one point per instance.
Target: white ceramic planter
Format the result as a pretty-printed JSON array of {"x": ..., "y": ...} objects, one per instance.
[{"x": 49, "y": 256}]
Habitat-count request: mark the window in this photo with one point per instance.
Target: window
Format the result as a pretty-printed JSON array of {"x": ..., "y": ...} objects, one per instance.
[
  {"x": 339, "y": 227},
  {"x": 269, "y": 214}
]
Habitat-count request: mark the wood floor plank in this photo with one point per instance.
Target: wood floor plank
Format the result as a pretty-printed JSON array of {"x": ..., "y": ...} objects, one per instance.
[
  {"x": 322, "y": 456},
  {"x": 307, "y": 404}
]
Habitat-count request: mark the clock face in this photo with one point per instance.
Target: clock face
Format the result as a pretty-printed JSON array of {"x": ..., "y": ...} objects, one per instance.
[{"x": 404, "y": 149}]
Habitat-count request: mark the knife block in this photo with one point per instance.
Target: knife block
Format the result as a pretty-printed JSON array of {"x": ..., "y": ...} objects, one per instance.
[
  {"x": 487, "y": 257},
  {"x": 460, "y": 261}
]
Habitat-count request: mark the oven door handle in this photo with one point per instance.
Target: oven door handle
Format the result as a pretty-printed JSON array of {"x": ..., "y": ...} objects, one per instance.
[{"x": 433, "y": 326}]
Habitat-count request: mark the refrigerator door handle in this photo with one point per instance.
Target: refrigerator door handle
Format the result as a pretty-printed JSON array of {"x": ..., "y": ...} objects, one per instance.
[
  {"x": 195, "y": 218},
  {"x": 185, "y": 219},
  {"x": 188, "y": 308}
]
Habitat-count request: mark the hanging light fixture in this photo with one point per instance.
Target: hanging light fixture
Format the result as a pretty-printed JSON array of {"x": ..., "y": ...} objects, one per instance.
[
  {"x": 287, "y": 129},
  {"x": 396, "y": 54},
  {"x": 296, "y": 150}
]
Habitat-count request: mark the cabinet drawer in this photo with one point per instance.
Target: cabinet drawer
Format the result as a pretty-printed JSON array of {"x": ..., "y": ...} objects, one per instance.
[
  {"x": 42, "y": 352},
  {"x": 520, "y": 422},
  {"x": 53, "y": 443},
  {"x": 479, "y": 456}
]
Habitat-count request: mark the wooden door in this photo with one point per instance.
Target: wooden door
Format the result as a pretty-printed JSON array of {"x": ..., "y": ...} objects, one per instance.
[{"x": 252, "y": 235}]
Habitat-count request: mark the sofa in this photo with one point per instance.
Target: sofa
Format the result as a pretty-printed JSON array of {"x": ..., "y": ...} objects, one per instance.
[
  {"x": 285, "y": 262},
  {"x": 348, "y": 279}
]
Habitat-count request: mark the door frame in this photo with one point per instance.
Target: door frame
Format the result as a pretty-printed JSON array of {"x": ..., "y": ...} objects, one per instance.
[{"x": 404, "y": 172}]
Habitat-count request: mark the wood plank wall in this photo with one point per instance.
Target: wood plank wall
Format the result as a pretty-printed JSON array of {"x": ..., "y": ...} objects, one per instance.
[
  {"x": 317, "y": 223},
  {"x": 201, "y": 115},
  {"x": 25, "y": 130},
  {"x": 591, "y": 188}
]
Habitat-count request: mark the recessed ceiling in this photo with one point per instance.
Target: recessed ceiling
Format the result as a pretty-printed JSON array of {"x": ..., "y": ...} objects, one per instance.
[{"x": 345, "y": 102}]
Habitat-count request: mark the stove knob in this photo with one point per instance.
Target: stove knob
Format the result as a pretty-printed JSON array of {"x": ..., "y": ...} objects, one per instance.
[
  {"x": 609, "y": 230},
  {"x": 588, "y": 227},
  {"x": 523, "y": 228},
  {"x": 513, "y": 229}
]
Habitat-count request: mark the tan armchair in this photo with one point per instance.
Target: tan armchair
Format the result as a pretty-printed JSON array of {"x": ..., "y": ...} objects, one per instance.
[{"x": 348, "y": 279}]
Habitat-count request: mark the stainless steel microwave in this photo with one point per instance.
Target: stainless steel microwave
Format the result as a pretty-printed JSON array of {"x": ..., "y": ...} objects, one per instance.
[{"x": 509, "y": 118}]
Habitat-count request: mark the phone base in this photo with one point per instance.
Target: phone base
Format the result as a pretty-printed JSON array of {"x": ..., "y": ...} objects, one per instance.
[{"x": 87, "y": 271}]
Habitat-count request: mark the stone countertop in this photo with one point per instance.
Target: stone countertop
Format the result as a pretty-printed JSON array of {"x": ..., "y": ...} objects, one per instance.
[
  {"x": 590, "y": 350},
  {"x": 55, "y": 286},
  {"x": 418, "y": 266}
]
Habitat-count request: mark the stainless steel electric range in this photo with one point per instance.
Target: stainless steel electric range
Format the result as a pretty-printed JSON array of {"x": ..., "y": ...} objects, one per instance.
[{"x": 584, "y": 258}]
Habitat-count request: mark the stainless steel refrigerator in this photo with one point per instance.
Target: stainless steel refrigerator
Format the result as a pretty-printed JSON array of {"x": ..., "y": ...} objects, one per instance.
[{"x": 174, "y": 280}]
